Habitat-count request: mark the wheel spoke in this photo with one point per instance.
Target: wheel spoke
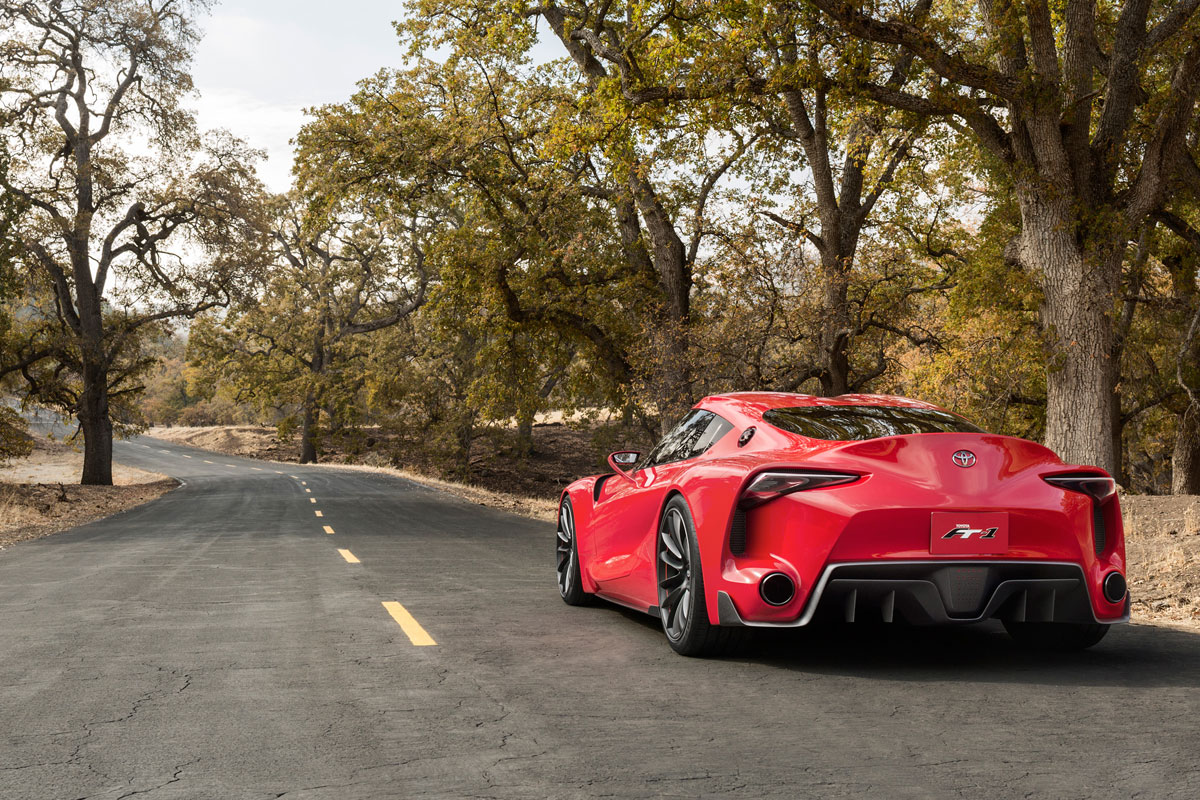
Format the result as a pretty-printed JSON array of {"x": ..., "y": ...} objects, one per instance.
[
  {"x": 671, "y": 581},
  {"x": 671, "y": 561},
  {"x": 671, "y": 544}
]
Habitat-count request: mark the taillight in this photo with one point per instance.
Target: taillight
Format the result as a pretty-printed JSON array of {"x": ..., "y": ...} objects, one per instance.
[
  {"x": 1098, "y": 487},
  {"x": 769, "y": 485}
]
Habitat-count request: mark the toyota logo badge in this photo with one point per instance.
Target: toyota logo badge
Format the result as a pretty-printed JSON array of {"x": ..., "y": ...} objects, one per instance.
[{"x": 964, "y": 458}]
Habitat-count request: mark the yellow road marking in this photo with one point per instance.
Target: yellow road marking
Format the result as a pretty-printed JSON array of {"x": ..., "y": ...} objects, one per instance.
[
  {"x": 350, "y": 558},
  {"x": 304, "y": 483},
  {"x": 278, "y": 472},
  {"x": 312, "y": 499},
  {"x": 187, "y": 456},
  {"x": 318, "y": 513},
  {"x": 293, "y": 477},
  {"x": 308, "y": 490},
  {"x": 416, "y": 634},
  {"x": 257, "y": 469},
  {"x": 231, "y": 466},
  {"x": 328, "y": 529},
  {"x": 206, "y": 461}
]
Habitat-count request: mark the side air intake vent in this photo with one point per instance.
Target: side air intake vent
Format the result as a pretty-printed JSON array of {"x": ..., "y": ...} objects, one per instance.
[{"x": 737, "y": 535}]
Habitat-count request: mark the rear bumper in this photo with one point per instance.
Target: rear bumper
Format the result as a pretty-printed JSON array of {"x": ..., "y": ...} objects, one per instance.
[{"x": 941, "y": 592}]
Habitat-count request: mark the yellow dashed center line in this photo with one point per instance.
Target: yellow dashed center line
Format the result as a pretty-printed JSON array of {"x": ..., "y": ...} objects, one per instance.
[
  {"x": 318, "y": 513},
  {"x": 187, "y": 456},
  {"x": 308, "y": 490},
  {"x": 231, "y": 466},
  {"x": 304, "y": 483},
  {"x": 328, "y": 529},
  {"x": 257, "y": 469},
  {"x": 293, "y": 477},
  {"x": 416, "y": 634},
  {"x": 312, "y": 499},
  {"x": 206, "y": 461},
  {"x": 350, "y": 557},
  {"x": 278, "y": 472}
]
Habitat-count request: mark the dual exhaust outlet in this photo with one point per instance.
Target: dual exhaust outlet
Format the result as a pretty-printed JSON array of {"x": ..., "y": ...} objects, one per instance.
[{"x": 777, "y": 589}]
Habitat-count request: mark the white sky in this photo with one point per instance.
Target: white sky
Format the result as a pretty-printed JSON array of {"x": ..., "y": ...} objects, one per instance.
[{"x": 262, "y": 62}]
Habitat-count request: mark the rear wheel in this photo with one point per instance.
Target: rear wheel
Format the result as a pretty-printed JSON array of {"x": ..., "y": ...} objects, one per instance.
[
  {"x": 681, "y": 588},
  {"x": 570, "y": 584},
  {"x": 1060, "y": 636}
]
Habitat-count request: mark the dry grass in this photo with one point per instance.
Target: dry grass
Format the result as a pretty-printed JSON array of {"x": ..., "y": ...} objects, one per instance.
[
  {"x": 30, "y": 511},
  {"x": 39, "y": 494}
]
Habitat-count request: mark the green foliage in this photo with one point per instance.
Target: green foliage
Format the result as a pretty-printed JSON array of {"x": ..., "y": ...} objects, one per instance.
[{"x": 731, "y": 198}]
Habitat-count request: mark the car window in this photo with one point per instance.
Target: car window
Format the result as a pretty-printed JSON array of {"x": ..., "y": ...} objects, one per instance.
[
  {"x": 698, "y": 431},
  {"x": 717, "y": 427},
  {"x": 856, "y": 423},
  {"x": 678, "y": 443}
]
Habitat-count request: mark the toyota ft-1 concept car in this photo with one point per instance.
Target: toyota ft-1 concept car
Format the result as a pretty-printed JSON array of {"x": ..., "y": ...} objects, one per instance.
[{"x": 772, "y": 510}]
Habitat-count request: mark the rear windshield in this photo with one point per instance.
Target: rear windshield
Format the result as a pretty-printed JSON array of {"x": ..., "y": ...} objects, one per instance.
[{"x": 853, "y": 423}]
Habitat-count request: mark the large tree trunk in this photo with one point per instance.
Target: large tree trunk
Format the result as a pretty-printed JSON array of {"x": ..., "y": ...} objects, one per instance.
[
  {"x": 835, "y": 323},
  {"x": 1185, "y": 461},
  {"x": 1076, "y": 316},
  {"x": 525, "y": 434},
  {"x": 672, "y": 368},
  {"x": 96, "y": 426},
  {"x": 309, "y": 432}
]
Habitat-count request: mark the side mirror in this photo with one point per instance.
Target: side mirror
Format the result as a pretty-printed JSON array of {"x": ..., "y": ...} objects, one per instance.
[{"x": 623, "y": 460}]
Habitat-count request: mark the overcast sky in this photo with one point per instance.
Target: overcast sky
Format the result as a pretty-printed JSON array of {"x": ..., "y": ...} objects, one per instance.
[{"x": 262, "y": 62}]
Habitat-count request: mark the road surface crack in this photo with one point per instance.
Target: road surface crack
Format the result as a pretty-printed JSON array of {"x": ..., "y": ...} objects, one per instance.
[{"x": 175, "y": 778}]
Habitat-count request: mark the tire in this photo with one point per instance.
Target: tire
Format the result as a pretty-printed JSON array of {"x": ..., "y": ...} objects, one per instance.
[
  {"x": 681, "y": 603},
  {"x": 570, "y": 582},
  {"x": 1056, "y": 636}
]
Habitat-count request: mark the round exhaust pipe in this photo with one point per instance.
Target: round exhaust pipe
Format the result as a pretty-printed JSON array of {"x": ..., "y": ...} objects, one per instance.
[
  {"x": 776, "y": 589},
  {"x": 1114, "y": 587}
]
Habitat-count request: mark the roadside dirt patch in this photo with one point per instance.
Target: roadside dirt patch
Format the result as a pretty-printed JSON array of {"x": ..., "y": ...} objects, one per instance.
[
  {"x": 40, "y": 495},
  {"x": 561, "y": 453},
  {"x": 1162, "y": 543},
  {"x": 54, "y": 462}
]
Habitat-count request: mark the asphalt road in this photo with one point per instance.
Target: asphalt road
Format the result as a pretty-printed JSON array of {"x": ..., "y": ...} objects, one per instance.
[{"x": 216, "y": 644}]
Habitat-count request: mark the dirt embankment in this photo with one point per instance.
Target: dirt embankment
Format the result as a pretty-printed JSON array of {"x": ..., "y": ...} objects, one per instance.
[
  {"x": 1162, "y": 544},
  {"x": 560, "y": 453},
  {"x": 40, "y": 495}
]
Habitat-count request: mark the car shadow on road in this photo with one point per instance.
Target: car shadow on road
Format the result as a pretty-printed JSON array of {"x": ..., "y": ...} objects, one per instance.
[{"x": 1130, "y": 656}]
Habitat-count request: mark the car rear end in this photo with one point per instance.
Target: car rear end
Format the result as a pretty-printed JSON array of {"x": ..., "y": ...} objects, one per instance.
[{"x": 929, "y": 527}]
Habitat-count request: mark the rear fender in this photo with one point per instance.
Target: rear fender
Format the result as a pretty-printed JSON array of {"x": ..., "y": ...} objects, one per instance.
[{"x": 710, "y": 490}]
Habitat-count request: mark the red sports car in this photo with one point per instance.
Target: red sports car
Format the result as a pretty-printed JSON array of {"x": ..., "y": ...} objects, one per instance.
[{"x": 764, "y": 510}]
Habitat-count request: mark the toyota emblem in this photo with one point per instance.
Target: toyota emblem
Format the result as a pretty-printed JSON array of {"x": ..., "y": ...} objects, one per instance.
[{"x": 964, "y": 458}]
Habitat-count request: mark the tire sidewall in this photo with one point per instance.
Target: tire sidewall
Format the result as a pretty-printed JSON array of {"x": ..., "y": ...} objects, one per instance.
[
  {"x": 697, "y": 624},
  {"x": 575, "y": 595}
]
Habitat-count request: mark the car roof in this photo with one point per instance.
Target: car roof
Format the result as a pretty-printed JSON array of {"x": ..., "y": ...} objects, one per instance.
[{"x": 753, "y": 404}]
